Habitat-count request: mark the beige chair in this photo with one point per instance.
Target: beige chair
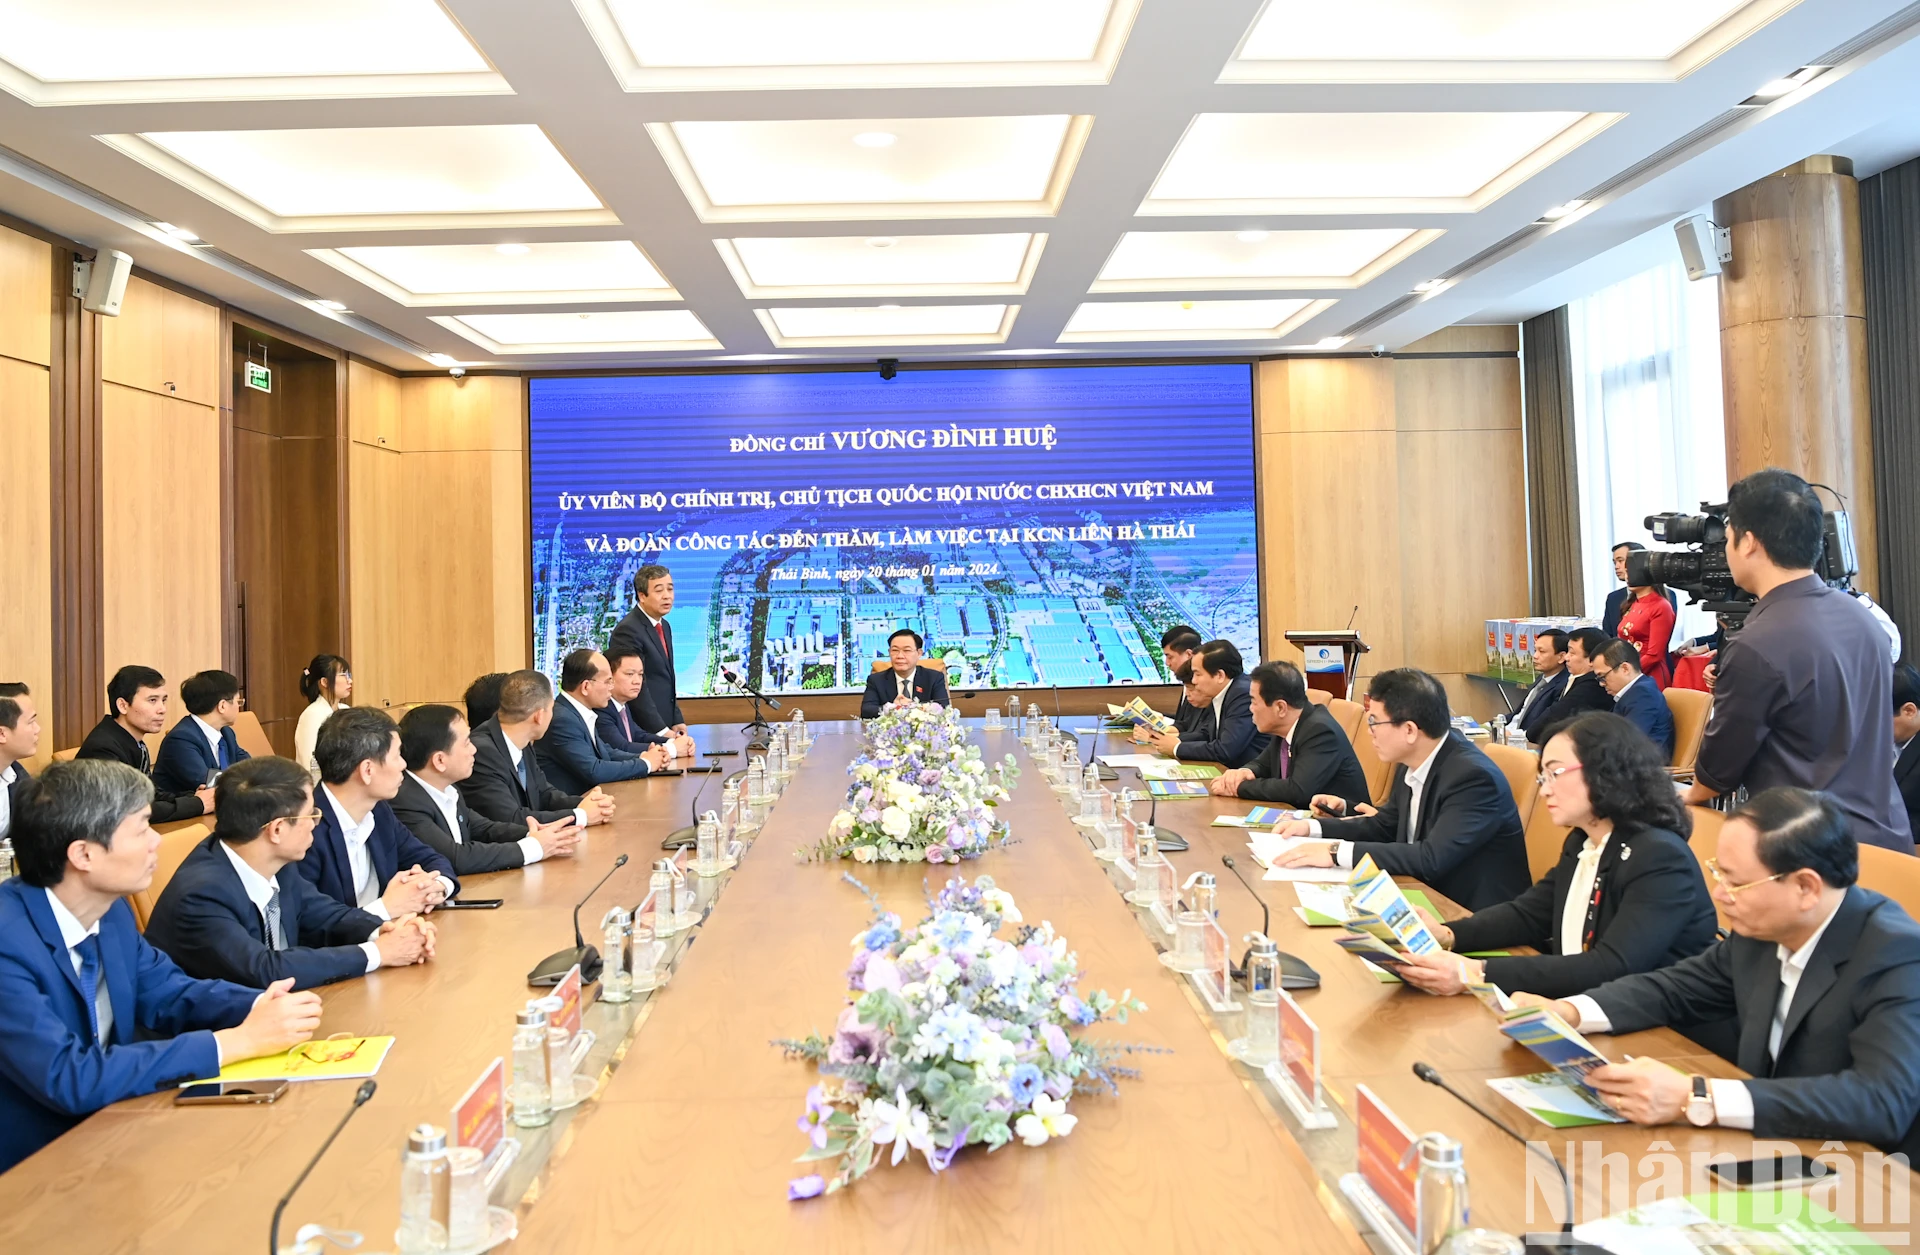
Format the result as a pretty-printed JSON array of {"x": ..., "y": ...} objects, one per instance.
[
  {"x": 1690, "y": 708},
  {"x": 65, "y": 756},
  {"x": 252, "y": 737},
  {"x": 1319, "y": 697},
  {"x": 1352, "y": 718},
  {"x": 1895, "y": 875},
  {"x": 1545, "y": 839},
  {"x": 175, "y": 845},
  {"x": 1522, "y": 770},
  {"x": 1705, "y": 844}
]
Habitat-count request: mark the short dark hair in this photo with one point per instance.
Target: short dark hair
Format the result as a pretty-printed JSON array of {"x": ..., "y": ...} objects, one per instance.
[
  {"x": 643, "y": 578},
  {"x": 256, "y": 791},
  {"x": 1280, "y": 682},
  {"x": 1906, "y": 688},
  {"x": 1626, "y": 544},
  {"x": 84, "y": 799},
  {"x": 128, "y": 681},
  {"x": 522, "y": 694},
  {"x": 323, "y": 667},
  {"x": 1184, "y": 672},
  {"x": 1555, "y": 635},
  {"x": 918, "y": 643},
  {"x": 616, "y": 654},
  {"x": 482, "y": 698},
  {"x": 1625, "y": 773},
  {"x": 1412, "y": 696},
  {"x": 577, "y": 668},
  {"x": 1801, "y": 828},
  {"x": 1221, "y": 656},
  {"x": 203, "y": 690},
  {"x": 1782, "y": 512},
  {"x": 10, "y": 709},
  {"x": 352, "y": 735},
  {"x": 1173, "y": 633},
  {"x": 426, "y": 731},
  {"x": 1591, "y": 641},
  {"x": 1620, "y": 654}
]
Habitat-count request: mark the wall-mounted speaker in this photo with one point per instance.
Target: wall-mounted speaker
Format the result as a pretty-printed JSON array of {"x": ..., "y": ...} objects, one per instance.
[
  {"x": 1704, "y": 247},
  {"x": 101, "y": 284}
]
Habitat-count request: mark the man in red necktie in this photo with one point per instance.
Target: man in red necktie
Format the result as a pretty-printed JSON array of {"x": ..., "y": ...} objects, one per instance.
[{"x": 656, "y": 710}]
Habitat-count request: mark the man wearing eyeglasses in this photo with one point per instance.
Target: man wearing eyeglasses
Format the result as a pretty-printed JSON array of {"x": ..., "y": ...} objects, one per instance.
[
  {"x": 1821, "y": 975},
  {"x": 239, "y": 910}
]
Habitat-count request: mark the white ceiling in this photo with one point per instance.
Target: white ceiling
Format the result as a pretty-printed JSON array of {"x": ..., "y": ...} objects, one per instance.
[{"x": 602, "y": 182}]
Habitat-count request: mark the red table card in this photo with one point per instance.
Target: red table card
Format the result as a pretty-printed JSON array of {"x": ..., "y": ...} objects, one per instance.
[
  {"x": 479, "y": 1119},
  {"x": 1383, "y": 1143},
  {"x": 1300, "y": 1048},
  {"x": 568, "y": 991}
]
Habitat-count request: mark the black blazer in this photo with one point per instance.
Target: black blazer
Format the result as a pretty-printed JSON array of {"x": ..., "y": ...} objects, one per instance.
[
  {"x": 1183, "y": 714},
  {"x": 1550, "y": 690},
  {"x": 1653, "y": 911},
  {"x": 206, "y": 923},
  {"x": 1584, "y": 694},
  {"x": 185, "y": 759},
  {"x": 17, "y": 791},
  {"x": 929, "y": 685},
  {"x": 110, "y": 741},
  {"x": 494, "y": 789},
  {"x": 484, "y": 845},
  {"x": 1469, "y": 844},
  {"x": 1906, "y": 776},
  {"x": 390, "y": 848},
  {"x": 628, "y": 736},
  {"x": 1233, "y": 741},
  {"x": 658, "y": 705},
  {"x": 1321, "y": 761},
  {"x": 1645, "y": 707},
  {"x": 1849, "y": 1062},
  {"x": 577, "y": 760}
]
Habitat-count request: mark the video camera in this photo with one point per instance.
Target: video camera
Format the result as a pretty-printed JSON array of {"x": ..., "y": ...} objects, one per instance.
[{"x": 1701, "y": 570}]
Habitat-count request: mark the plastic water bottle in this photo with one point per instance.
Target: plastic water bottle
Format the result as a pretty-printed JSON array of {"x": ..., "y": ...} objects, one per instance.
[{"x": 1439, "y": 1192}]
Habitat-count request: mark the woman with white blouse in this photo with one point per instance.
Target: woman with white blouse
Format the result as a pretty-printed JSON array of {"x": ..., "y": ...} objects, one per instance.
[{"x": 326, "y": 684}]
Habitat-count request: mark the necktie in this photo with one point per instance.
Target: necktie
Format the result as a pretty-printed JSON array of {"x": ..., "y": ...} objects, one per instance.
[
  {"x": 626, "y": 724},
  {"x": 276, "y": 939},
  {"x": 661, "y": 629},
  {"x": 525, "y": 788},
  {"x": 221, "y": 755},
  {"x": 89, "y": 952},
  {"x": 146, "y": 763},
  {"x": 1286, "y": 757}
]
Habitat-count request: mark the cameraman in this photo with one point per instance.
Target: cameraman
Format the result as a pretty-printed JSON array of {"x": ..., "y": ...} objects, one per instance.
[{"x": 1803, "y": 689}]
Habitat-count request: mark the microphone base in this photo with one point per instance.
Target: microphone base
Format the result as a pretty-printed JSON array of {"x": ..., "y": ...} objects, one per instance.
[
  {"x": 681, "y": 838},
  {"x": 1559, "y": 1243},
  {"x": 1170, "y": 841},
  {"x": 1294, "y": 973},
  {"x": 554, "y": 968},
  {"x": 1108, "y": 773}
]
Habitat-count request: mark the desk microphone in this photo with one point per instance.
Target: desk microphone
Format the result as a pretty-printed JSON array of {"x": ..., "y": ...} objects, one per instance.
[
  {"x": 1294, "y": 972},
  {"x": 359, "y": 1100},
  {"x": 1170, "y": 841},
  {"x": 758, "y": 727},
  {"x": 681, "y": 838},
  {"x": 1101, "y": 770},
  {"x": 553, "y": 969}
]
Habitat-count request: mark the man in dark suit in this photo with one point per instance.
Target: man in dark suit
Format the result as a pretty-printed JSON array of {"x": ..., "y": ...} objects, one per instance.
[
  {"x": 573, "y": 757},
  {"x": 1584, "y": 691},
  {"x": 1449, "y": 819},
  {"x": 362, "y": 855},
  {"x": 1551, "y": 679},
  {"x": 905, "y": 679},
  {"x": 237, "y": 910},
  {"x": 19, "y": 741},
  {"x": 1221, "y": 730},
  {"x": 137, "y": 696},
  {"x": 94, "y": 1014},
  {"x": 203, "y": 743},
  {"x": 507, "y": 784},
  {"x": 1177, "y": 644},
  {"x": 1635, "y": 698},
  {"x": 615, "y": 723},
  {"x": 645, "y": 631},
  {"x": 1307, "y": 752},
  {"x": 438, "y": 750},
  {"x": 1620, "y": 598},
  {"x": 1822, "y": 977},
  {"x": 1906, "y": 730}
]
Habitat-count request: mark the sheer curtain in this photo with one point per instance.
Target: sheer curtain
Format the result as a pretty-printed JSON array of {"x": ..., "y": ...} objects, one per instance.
[{"x": 1648, "y": 425}]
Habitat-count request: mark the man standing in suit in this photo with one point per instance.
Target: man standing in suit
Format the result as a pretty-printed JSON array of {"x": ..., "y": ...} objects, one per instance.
[
  {"x": 1906, "y": 730},
  {"x": 19, "y": 741},
  {"x": 905, "y": 680},
  {"x": 1635, "y": 698},
  {"x": 507, "y": 784},
  {"x": 1308, "y": 753},
  {"x": 137, "y": 696},
  {"x": 1584, "y": 691},
  {"x": 203, "y": 743},
  {"x": 645, "y": 631},
  {"x": 573, "y": 757},
  {"x": 615, "y": 724},
  {"x": 1449, "y": 819},
  {"x": 1550, "y": 668},
  {"x": 439, "y": 752},
  {"x": 94, "y": 1014},
  {"x": 1177, "y": 644},
  {"x": 237, "y": 910},
  {"x": 362, "y": 854},
  {"x": 1221, "y": 730},
  {"x": 1822, "y": 977}
]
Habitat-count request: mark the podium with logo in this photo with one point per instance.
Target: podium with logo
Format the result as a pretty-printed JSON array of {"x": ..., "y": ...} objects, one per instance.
[{"x": 1331, "y": 658}]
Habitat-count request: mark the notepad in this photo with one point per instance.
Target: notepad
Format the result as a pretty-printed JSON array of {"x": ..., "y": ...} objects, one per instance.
[
  {"x": 332, "y": 1059},
  {"x": 1173, "y": 789}
]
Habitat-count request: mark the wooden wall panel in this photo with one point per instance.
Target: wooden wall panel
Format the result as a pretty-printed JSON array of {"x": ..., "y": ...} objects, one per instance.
[
  {"x": 486, "y": 412},
  {"x": 26, "y": 314},
  {"x": 1463, "y": 543},
  {"x": 1326, "y": 394},
  {"x": 378, "y": 623},
  {"x": 26, "y": 572},
  {"x": 512, "y": 554},
  {"x": 373, "y": 408},
  {"x": 163, "y": 342}
]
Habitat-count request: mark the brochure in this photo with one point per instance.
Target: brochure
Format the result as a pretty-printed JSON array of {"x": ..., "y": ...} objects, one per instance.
[
  {"x": 1258, "y": 817},
  {"x": 1771, "y": 1223},
  {"x": 1323, "y": 905},
  {"x": 1173, "y": 769},
  {"x": 1553, "y": 1100},
  {"x": 1171, "y": 789},
  {"x": 1557, "y": 1042},
  {"x": 1266, "y": 847}
]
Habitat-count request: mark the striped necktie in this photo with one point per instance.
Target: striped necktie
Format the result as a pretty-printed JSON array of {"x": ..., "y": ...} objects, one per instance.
[
  {"x": 276, "y": 938},
  {"x": 89, "y": 952}
]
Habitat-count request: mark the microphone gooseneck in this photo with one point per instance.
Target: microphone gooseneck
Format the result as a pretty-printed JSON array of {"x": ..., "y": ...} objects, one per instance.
[
  {"x": 580, "y": 942},
  {"x": 359, "y": 1100},
  {"x": 554, "y": 968},
  {"x": 681, "y": 838},
  {"x": 1431, "y": 1076}
]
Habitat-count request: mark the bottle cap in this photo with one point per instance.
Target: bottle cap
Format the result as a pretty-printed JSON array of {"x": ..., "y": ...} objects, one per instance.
[
  {"x": 531, "y": 1017},
  {"x": 426, "y": 1139}
]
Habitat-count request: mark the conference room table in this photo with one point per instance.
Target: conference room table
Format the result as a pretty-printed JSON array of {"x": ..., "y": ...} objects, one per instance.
[{"x": 690, "y": 1137}]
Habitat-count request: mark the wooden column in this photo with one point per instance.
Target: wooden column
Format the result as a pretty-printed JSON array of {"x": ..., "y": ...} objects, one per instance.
[{"x": 1793, "y": 337}]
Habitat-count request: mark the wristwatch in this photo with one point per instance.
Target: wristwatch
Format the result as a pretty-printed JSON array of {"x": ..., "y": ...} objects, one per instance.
[{"x": 1700, "y": 1111}]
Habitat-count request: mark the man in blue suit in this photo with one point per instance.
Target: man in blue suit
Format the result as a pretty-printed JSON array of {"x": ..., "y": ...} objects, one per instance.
[
  {"x": 1550, "y": 685},
  {"x": 615, "y": 723},
  {"x": 645, "y": 631},
  {"x": 203, "y": 743},
  {"x": 905, "y": 679},
  {"x": 237, "y": 910},
  {"x": 1636, "y": 699},
  {"x": 573, "y": 757},
  {"x": 93, "y": 1014},
  {"x": 1221, "y": 729},
  {"x": 362, "y": 854}
]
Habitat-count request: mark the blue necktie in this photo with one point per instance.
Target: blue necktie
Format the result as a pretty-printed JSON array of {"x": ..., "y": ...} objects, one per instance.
[
  {"x": 221, "y": 755},
  {"x": 523, "y": 773},
  {"x": 89, "y": 952}
]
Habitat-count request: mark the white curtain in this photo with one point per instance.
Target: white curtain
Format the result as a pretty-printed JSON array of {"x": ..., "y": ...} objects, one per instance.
[{"x": 1647, "y": 415}]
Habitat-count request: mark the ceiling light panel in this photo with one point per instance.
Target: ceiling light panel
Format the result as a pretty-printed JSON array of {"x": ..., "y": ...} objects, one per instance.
[
  {"x": 1361, "y": 162},
  {"x": 635, "y": 330},
  {"x": 830, "y": 170},
  {"x": 1491, "y": 40},
  {"x": 749, "y": 45},
  {"x": 878, "y": 325},
  {"x": 1099, "y": 321},
  {"x": 908, "y": 265},
  {"x": 503, "y": 274},
  {"x": 1176, "y": 261},
  {"x": 370, "y": 178},
  {"x": 68, "y": 52}
]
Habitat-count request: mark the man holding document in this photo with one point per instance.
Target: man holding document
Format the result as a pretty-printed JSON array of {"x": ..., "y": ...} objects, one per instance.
[{"x": 1307, "y": 755}]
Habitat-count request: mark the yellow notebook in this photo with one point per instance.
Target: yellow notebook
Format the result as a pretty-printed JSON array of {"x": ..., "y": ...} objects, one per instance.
[{"x": 334, "y": 1059}]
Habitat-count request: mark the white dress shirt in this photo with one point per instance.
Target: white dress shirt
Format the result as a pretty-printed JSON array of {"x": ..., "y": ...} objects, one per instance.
[
  {"x": 211, "y": 733},
  {"x": 1623, "y": 692},
  {"x": 73, "y": 934},
  {"x": 366, "y": 886},
  {"x": 448, "y": 800},
  {"x": 6, "y": 800},
  {"x": 1416, "y": 784},
  {"x": 259, "y": 891},
  {"x": 515, "y": 753},
  {"x": 1573, "y": 918},
  {"x": 587, "y": 715}
]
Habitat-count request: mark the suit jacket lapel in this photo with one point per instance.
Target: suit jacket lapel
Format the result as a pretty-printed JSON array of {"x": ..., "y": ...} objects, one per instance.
[
  {"x": 1427, "y": 789},
  {"x": 1762, "y": 975},
  {"x": 42, "y": 916},
  {"x": 1402, "y": 803},
  {"x": 337, "y": 863},
  {"x": 432, "y": 808},
  {"x": 117, "y": 958},
  {"x": 1823, "y": 966}
]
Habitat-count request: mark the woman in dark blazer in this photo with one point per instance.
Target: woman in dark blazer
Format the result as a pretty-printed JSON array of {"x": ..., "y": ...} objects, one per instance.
[{"x": 1638, "y": 903}]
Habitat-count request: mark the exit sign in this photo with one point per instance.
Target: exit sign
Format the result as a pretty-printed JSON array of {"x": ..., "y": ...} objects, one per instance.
[{"x": 259, "y": 377}]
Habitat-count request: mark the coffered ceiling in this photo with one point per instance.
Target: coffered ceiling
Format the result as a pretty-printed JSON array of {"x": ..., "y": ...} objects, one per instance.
[{"x": 563, "y": 183}]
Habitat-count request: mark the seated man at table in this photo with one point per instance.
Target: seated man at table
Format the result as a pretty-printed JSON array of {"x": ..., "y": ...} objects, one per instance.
[
  {"x": 507, "y": 784},
  {"x": 1584, "y": 691},
  {"x": 615, "y": 724},
  {"x": 439, "y": 753},
  {"x": 1177, "y": 644},
  {"x": 95, "y": 1014},
  {"x": 1822, "y": 976},
  {"x": 1449, "y": 818},
  {"x": 1635, "y": 698},
  {"x": 1308, "y": 753},
  {"x": 136, "y": 709},
  {"x": 1221, "y": 729},
  {"x": 237, "y": 910},
  {"x": 1626, "y": 896},
  {"x": 1552, "y": 678},
  {"x": 203, "y": 744},
  {"x": 573, "y": 757},
  {"x": 362, "y": 855},
  {"x": 905, "y": 679}
]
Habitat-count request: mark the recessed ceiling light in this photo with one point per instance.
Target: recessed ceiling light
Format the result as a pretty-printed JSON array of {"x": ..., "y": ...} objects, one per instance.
[
  {"x": 825, "y": 326},
  {"x": 875, "y": 139},
  {"x": 889, "y": 307},
  {"x": 1263, "y": 319},
  {"x": 881, "y": 241},
  {"x": 178, "y": 233},
  {"x": 573, "y": 272},
  {"x": 443, "y": 359},
  {"x": 1785, "y": 86},
  {"x": 1254, "y": 236},
  {"x": 338, "y": 307},
  {"x": 1331, "y": 342},
  {"x": 1558, "y": 212},
  {"x": 512, "y": 250},
  {"x": 616, "y": 330},
  {"x": 1430, "y": 286}
]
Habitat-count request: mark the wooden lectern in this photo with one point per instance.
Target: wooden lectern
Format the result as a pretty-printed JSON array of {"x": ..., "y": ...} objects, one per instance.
[{"x": 1330, "y": 658}]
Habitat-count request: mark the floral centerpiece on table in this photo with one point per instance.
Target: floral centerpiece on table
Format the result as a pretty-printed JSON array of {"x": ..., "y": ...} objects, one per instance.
[
  {"x": 954, "y": 1037},
  {"x": 920, "y": 792}
]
